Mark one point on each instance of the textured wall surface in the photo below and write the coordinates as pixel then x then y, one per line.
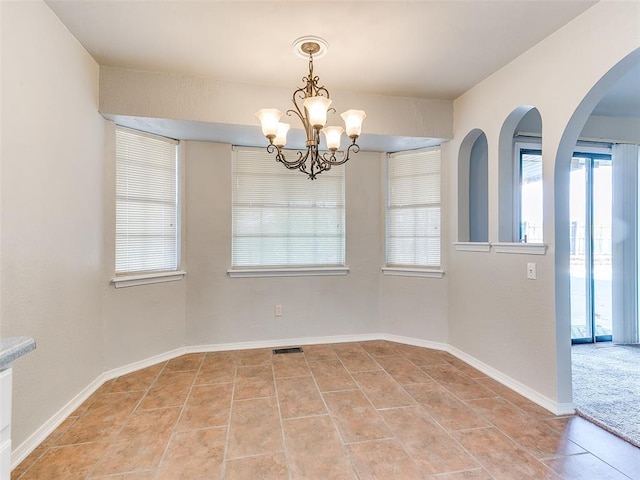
pixel 52 203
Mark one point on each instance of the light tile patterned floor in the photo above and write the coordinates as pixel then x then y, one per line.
pixel 369 410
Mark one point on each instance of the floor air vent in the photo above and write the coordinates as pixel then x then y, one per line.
pixel 279 351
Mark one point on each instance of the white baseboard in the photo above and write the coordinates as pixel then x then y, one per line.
pixel 413 341
pixel 30 444
pixel 287 342
pixel 147 362
pixel 545 402
pixel 35 439
pixel 565 409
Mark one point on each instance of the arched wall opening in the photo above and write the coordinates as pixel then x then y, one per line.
pixel 562 219
pixel 473 188
pixel 524 121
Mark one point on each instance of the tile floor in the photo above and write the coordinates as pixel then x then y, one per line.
pixel 369 410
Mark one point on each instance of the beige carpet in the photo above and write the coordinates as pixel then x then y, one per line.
pixel 606 387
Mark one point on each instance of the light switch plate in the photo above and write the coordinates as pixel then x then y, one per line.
pixel 531 271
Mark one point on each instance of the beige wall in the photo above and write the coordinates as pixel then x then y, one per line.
pixel 142 321
pixel 182 97
pixel 221 309
pixel 52 202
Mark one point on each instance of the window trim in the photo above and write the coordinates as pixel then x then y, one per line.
pixel 520 248
pixel 130 279
pixel 287 272
pixel 472 246
pixel 396 271
pixel 146 279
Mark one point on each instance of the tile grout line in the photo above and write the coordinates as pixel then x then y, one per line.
pixel 446 430
pixel 333 422
pixel 45 450
pixel 138 403
pixel 416 405
pixel 450 433
pixel 173 432
pixel 284 442
pixel 516 442
pixel 393 435
pixel 226 440
pixel 494 426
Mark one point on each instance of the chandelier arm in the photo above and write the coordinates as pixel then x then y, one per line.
pixel 300 93
pixel 290 167
pixel 297 114
pixel 292 164
pixel 332 160
pixel 323 165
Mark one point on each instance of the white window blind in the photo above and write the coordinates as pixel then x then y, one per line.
pixel 413 209
pixel 281 218
pixel 146 203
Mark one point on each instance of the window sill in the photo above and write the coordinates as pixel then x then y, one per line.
pixel 287 272
pixel 520 248
pixel 147 278
pixel 412 272
pixel 472 246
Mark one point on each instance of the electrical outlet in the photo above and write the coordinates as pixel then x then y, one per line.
pixel 531 271
pixel 277 311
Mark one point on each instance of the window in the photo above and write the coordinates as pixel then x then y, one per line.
pixel 520 183
pixel 413 209
pixel 280 218
pixel 146 203
pixel 529 196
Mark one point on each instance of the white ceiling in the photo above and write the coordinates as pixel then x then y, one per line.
pixel 419 48
pixel 428 49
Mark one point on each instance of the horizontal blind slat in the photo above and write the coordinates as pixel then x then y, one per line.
pixel 146 203
pixel 281 218
pixel 413 209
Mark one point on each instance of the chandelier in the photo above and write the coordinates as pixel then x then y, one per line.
pixel 311 105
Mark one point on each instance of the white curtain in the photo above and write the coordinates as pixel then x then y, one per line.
pixel 626 326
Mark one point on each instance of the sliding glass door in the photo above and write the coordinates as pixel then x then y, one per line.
pixel 590 247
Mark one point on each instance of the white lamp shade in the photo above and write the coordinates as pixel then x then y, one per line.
pixel 353 122
pixel 316 108
pixel 333 135
pixel 281 135
pixel 269 118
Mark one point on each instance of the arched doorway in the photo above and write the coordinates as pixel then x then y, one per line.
pixel 566 160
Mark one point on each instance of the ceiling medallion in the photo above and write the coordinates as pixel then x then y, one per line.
pixel 311 105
